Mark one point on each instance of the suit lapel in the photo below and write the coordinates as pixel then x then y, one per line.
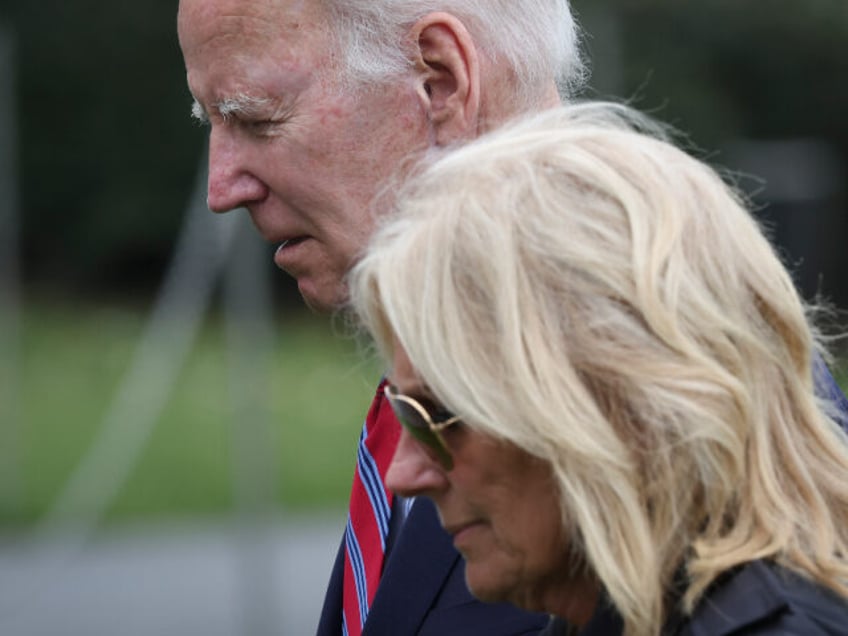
pixel 330 623
pixel 415 573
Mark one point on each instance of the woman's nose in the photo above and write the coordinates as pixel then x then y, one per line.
pixel 413 470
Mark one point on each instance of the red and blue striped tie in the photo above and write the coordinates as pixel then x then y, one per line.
pixel 370 511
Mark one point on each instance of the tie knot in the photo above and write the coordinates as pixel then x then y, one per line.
pixel 381 431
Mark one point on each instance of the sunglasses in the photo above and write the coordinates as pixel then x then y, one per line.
pixel 424 420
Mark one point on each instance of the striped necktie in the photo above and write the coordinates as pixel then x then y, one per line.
pixel 370 511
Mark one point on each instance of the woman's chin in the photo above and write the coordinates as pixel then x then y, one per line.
pixel 492 587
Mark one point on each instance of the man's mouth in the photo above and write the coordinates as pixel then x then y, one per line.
pixel 287 257
pixel 291 242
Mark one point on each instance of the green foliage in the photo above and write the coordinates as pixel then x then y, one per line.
pixel 108 152
pixel 722 71
pixel 74 357
pixel 723 68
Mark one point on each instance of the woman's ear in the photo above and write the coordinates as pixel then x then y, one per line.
pixel 448 73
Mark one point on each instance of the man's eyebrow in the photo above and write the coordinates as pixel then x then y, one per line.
pixel 238 105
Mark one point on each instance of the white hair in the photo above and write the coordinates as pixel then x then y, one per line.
pixel 537 39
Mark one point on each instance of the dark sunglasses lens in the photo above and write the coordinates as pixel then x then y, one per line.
pixel 413 422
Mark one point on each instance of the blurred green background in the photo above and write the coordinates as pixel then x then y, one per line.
pixel 74 356
pixel 103 157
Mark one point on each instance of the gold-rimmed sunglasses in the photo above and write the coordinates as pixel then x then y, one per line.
pixel 424 420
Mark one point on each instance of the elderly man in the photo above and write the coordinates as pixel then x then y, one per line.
pixel 313 107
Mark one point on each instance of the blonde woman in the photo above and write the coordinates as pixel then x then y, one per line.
pixel 604 376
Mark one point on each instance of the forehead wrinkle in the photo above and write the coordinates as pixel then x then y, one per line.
pixel 267 21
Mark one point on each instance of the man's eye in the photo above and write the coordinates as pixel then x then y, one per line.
pixel 259 126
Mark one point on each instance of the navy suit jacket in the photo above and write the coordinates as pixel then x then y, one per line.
pixel 423 592
pixel 756 598
pixel 827 388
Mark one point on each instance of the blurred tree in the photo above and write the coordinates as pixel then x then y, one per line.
pixel 729 70
pixel 725 68
pixel 108 151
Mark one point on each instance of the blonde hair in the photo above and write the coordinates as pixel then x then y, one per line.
pixel 604 301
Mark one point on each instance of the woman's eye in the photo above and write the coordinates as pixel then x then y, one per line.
pixel 440 415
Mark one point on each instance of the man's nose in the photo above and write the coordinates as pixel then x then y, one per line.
pixel 413 471
pixel 231 183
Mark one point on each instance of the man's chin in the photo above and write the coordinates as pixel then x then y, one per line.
pixel 321 300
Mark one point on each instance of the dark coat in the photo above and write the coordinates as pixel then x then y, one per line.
pixel 758 598
pixel 423 592
pixel 827 388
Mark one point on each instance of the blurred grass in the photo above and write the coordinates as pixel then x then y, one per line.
pixel 73 358
pixel 841 376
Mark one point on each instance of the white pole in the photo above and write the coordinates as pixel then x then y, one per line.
pixel 10 302
pixel 250 344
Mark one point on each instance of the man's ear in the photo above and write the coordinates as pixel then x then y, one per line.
pixel 448 73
